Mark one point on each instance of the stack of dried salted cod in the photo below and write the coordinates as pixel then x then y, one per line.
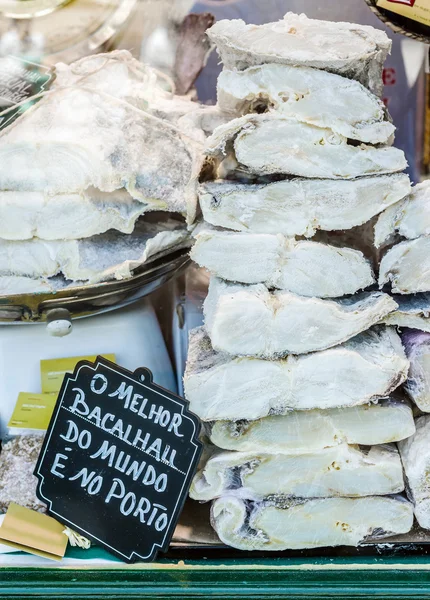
pixel 291 373
pixel 406 268
pixel 97 177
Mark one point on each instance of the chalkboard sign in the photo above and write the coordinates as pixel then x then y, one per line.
pixel 118 459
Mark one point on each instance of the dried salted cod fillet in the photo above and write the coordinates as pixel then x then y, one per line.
pixel 16 284
pixel 369 366
pixel 252 321
pixel 415 456
pixel 300 206
pixel 413 312
pixel 306 268
pixel 24 215
pixel 340 471
pixel 310 523
pixel 406 266
pixel 409 218
pixel 111 255
pixel 10 285
pixel 271 143
pixel 97 131
pixel 354 51
pixel 417 386
pixel 17 482
pixel 135 82
pixel 298 432
pixel 311 96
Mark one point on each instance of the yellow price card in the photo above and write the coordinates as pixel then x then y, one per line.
pixel 32 411
pixel 53 370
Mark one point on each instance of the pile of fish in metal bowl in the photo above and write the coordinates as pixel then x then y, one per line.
pixel 97 189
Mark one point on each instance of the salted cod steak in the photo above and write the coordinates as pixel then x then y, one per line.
pixel 413 312
pixel 417 348
pixel 415 456
pixel 252 321
pixel 13 284
pixel 111 255
pixel 302 431
pixel 309 95
pixel 353 51
pixel 347 471
pixel 219 386
pixel 313 523
pixel 268 143
pixel 98 127
pixel 24 215
pixel 409 218
pixel 82 214
pixel 406 267
pixel 298 266
pixel 300 207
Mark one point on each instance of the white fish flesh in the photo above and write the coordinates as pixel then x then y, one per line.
pixel 252 321
pixel 300 267
pixel 299 431
pixel 413 312
pixel 309 95
pixel 409 218
pixel 417 348
pixel 270 143
pixel 354 51
pixel 299 207
pixel 10 285
pixel 24 215
pixel 312 523
pixel 340 471
pixel 415 457
pixel 369 366
pixel 406 267
pixel 111 255
pixel 96 127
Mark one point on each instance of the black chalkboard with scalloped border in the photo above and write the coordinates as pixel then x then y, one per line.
pixel 118 459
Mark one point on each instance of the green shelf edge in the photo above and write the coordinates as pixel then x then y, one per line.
pixel 336 578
